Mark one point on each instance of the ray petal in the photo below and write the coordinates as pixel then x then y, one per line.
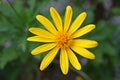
pixel 83 30
pixel 67 18
pixel 43 48
pixel 41 32
pixel 56 18
pixel 46 23
pixel 39 39
pixel 83 52
pixel 77 22
pixel 48 58
pixel 84 43
pixel 73 59
pixel 64 64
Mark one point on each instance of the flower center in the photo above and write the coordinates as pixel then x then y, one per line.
pixel 63 39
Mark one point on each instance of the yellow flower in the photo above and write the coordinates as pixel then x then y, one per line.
pixel 63 38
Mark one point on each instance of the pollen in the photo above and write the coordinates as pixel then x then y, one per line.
pixel 63 39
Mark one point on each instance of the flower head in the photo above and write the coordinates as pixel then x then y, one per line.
pixel 63 38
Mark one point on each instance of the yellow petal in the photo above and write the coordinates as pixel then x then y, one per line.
pixel 39 39
pixel 77 22
pixel 84 43
pixel 64 64
pixel 83 30
pixel 48 58
pixel 56 18
pixel 47 24
pixel 43 48
pixel 41 32
pixel 67 18
pixel 83 52
pixel 73 59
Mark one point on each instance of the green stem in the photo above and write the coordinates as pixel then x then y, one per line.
pixel 17 14
pixel 13 9
pixel 81 73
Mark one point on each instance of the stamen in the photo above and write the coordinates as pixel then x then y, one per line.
pixel 63 39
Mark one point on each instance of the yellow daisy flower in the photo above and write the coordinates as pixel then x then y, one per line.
pixel 63 38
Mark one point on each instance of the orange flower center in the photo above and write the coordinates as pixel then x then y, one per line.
pixel 63 39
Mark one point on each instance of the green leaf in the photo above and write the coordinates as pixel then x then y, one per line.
pixel 90 17
pixel 23 42
pixel 9 54
pixel 32 4
pixel 18 6
pixel 109 49
pixel 103 31
pixel 6 9
pixel 99 56
pixel 13 74
pixel 3 39
pixel 116 10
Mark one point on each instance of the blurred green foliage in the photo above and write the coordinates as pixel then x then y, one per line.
pixel 16 16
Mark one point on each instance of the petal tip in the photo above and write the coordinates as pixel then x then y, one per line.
pixel 30 29
pixel 93 57
pixel 84 13
pixel 38 17
pixel 51 8
pixel 65 73
pixel 41 68
pixel 93 25
pixel 32 53
pixel 96 43
pixel 79 67
pixel 28 39
pixel 68 7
